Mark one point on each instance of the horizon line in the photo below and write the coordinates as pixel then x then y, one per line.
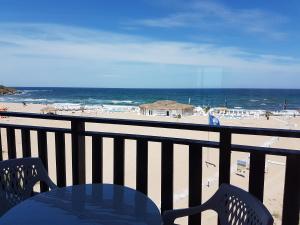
pixel 158 88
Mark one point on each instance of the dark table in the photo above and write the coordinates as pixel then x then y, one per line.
pixel 90 204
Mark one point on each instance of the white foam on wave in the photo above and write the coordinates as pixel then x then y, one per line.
pixel 66 104
pixel 19 93
pixel 35 100
pixel 28 100
pixel 7 99
pixel 121 101
pixel 29 91
pixel 95 101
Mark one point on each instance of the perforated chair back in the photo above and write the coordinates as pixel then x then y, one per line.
pixel 17 179
pixel 237 207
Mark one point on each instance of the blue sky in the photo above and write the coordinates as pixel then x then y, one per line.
pixel 143 44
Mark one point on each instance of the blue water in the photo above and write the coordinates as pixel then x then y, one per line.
pixel 269 99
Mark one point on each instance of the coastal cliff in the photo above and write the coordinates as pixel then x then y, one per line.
pixel 6 90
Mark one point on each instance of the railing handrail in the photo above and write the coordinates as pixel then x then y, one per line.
pixel 160 124
pixel 185 141
pixel 78 133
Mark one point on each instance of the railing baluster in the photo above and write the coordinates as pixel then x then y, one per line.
pixel 97 159
pixel 142 166
pixel 60 149
pixel 11 143
pixel 119 160
pixel 1 149
pixel 195 180
pixel 257 174
pixel 26 144
pixel 78 152
pixel 167 174
pixel 42 149
pixel 291 200
pixel 225 157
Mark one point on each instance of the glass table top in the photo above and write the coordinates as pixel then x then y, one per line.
pixel 90 204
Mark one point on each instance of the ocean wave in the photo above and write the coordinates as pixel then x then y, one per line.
pixel 254 100
pixel 105 107
pixel 35 100
pixel 121 101
pixel 19 93
pixel 67 104
pixel 94 101
pixel 5 98
pixel 9 99
pixel 42 90
pixel 30 92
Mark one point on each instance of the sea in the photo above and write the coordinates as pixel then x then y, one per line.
pixel 264 99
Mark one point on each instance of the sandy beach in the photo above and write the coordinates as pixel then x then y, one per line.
pixel 275 169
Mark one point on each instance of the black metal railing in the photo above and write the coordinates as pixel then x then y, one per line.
pixel 291 200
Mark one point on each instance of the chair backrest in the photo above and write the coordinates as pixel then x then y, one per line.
pixel 237 207
pixel 17 179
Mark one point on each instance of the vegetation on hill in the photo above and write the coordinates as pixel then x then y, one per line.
pixel 6 90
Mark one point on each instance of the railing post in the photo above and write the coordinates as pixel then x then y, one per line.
pixel 78 152
pixel 60 159
pixel 257 174
pixel 225 157
pixel 26 144
pixel 11 143
pixel 43 154
pixel 167 174
pixel 1 150
pixel 97 159
pixel 119 161
pixel 142 166
pixel 291 199
pixel 195 181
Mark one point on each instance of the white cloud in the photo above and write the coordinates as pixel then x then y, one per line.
pixel 216 17
pixel 55 49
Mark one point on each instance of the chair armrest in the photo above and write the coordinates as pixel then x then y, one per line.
pixel 49 183
pixel 171 215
